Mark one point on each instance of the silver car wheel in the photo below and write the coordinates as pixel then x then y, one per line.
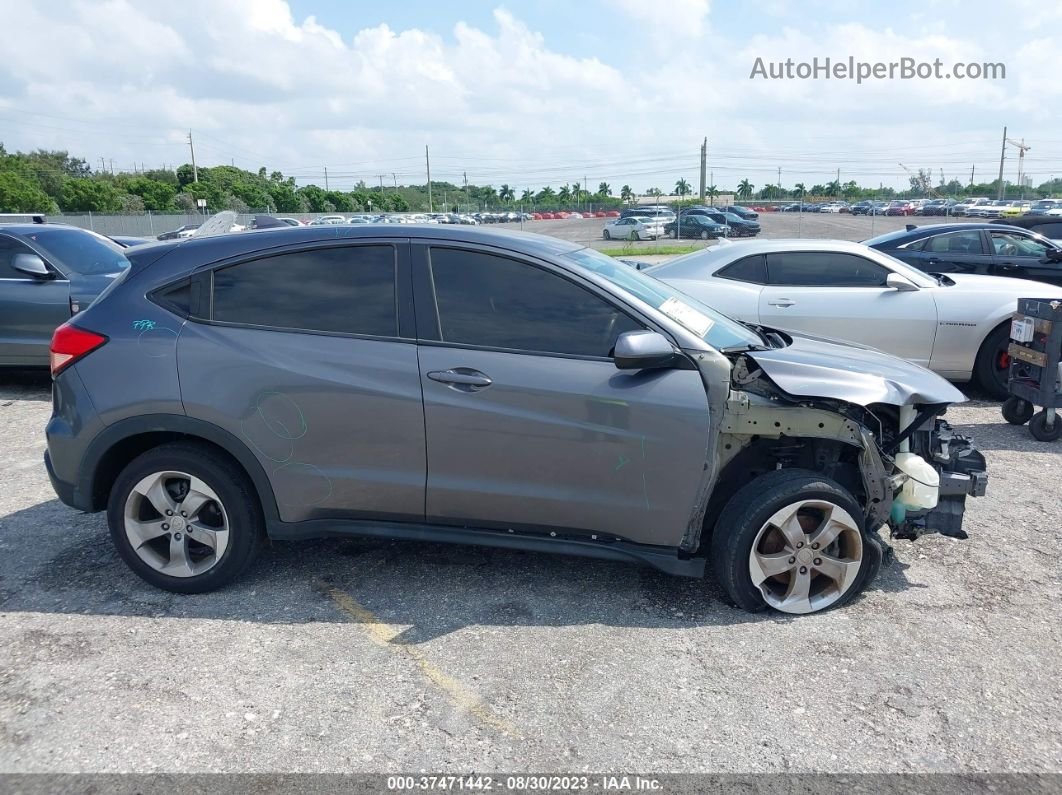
pixel 176 524
pixel 806 556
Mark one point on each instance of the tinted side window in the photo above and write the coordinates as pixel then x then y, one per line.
pixel 955 243
pixel 1012 244
pixel 8 249
pixel 494 302
pixel 349 290
pixel 747 269
pixel 824 269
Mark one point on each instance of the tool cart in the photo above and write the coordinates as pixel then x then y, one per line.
pixel 1035 375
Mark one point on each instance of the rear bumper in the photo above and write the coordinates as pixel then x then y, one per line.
pixel 63 490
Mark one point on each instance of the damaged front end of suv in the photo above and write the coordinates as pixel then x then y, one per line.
pixel 865 420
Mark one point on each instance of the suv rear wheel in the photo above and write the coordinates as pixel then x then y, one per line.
pixel 184 518
pixel 792 540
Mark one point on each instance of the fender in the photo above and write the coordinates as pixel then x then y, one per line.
pixel 174 423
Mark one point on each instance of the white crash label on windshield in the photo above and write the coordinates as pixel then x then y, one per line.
pixel 687 316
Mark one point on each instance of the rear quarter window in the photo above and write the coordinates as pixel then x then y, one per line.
pixel 751 269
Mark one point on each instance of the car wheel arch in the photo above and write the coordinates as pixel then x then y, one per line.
pixel 124 440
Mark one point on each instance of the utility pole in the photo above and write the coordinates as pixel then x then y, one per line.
pixel 326 177
pixel 191 146
pixel 838 182
pixel 711 181
pixel 112 166
pixel 103 165
pixel 779 181
pixel 972 168
pixel 394 177
pixel 1002 155
pixel 704 165
pixel 427 163
pixel 465 175
pixel 381 176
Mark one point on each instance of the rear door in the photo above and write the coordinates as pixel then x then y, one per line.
pixel 309 357
pixel 844 296
pixel 529 423
pixel 963 251
pixel 31 308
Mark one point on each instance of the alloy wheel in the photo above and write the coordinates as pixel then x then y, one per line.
pixel 176 524
pixel 806 556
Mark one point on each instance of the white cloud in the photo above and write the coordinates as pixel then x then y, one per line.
pixel 126 81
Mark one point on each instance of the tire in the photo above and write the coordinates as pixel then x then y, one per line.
pixel 674 235
pixel 747 520
pixel 1039 430
pixel 1017 411
pixel 223 513
pixel 989 371
pixel 704 234
pixel 607 235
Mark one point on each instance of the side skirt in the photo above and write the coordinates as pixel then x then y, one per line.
pixel 665 559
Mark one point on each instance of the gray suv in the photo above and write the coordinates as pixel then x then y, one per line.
pixel 504 389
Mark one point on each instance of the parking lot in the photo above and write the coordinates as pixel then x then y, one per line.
pixel 390 656
pixel 775 225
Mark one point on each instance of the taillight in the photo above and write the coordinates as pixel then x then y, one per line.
pixel 70 343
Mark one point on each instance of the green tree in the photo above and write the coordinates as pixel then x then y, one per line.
pixel 682 188
pixel 627 194
pixel 833 188
pixel 604 189
pixel 744 189
pixel 564 195
pixel 527 196
pixel 156 196
pixel 850 189
pixel 90 195
pixel 799 190
pixel 21 194
pixel 506 194
pixel 711 192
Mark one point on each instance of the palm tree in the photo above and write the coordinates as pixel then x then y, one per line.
pixel 711 192
pixel 604 189
pixel 833 188
pixel 506 194
pixel 527 196
pixel 744 189
pixel 799 190
pixel 626 194
pixel 682 187
pixel 564 195
pixel 655 192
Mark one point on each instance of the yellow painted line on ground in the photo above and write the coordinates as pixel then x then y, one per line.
pixel 384 634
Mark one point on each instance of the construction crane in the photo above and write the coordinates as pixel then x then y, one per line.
pixel 1022 148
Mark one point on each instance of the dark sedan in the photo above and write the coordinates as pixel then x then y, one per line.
pixel 694 226
pixel 736 226
pixel 744 213
pixel 986 248
pixel 48 273
pixel 1050 226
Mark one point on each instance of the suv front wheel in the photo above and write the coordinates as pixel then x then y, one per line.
pixel 184 518
pixel 792 540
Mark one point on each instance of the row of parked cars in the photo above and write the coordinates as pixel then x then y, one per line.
pixel 705 223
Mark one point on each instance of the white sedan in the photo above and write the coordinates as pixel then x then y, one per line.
pixel 957 325
pixel 633 228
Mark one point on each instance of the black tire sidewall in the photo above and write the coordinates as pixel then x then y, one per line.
pixel 246 526
pixel 985 365
pixel 747 512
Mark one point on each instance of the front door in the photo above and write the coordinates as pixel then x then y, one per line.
pixel 843 296
pixel 31 309
pixel 530 425
pixel 1019 254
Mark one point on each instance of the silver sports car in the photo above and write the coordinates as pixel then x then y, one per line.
pixel 956 324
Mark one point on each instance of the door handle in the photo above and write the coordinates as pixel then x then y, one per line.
pixel 782 302
pixel 464 379
pixel 932 261
pixel 1009 266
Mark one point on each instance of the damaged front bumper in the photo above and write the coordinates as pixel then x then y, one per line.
pixel 962 474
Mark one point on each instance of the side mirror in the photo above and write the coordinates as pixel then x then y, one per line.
pixel 1053 255
pixel 900 283
pixel 643 350
pixel 31 264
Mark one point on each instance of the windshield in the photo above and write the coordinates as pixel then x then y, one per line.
pixel 81 251
pixel 713 327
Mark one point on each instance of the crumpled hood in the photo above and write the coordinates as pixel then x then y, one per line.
pixel 818 367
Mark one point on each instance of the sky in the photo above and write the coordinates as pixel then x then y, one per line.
pixel 531 94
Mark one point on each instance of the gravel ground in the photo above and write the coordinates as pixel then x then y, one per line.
pixel 377 656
